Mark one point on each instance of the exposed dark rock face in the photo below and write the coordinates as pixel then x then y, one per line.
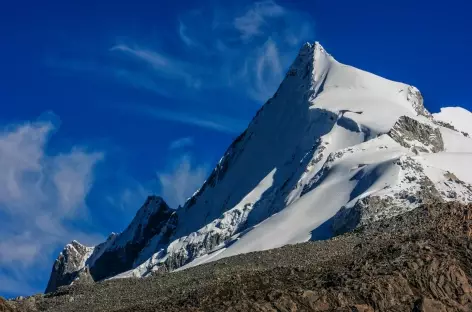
pixel 417 102
pixel 121 256
pixel 371 208
pixel 119 252
pixel 451 127
pixel 67 265
pixel 84 277
pixel 409 132
pixel 417 261
pixel 445 125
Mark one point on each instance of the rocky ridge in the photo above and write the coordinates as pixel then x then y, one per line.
pixel 68 265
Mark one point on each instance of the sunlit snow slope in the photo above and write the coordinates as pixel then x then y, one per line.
pixel 334 148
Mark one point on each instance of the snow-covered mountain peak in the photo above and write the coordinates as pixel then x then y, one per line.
pixel 334 148
pixel 309 47
pixel 311 62
pixel 315 71
pixel 305 48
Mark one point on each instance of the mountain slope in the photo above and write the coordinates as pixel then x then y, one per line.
pixel 334 148
pixel 418 261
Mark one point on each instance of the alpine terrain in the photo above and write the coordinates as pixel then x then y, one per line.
pixel 335 149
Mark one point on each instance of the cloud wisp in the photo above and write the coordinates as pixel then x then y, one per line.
pixel 181 181
pixel 204 120
pixel 250 23
pixel 181 143
pixel 129 194
pixel 40 197
pixel 239 51
pixel 183 35
pixel 219 56
pixel 245 50
pixel 164 66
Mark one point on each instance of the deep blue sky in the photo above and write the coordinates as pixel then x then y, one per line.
pixel 104 102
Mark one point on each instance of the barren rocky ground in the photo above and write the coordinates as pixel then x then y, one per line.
pixel 419 261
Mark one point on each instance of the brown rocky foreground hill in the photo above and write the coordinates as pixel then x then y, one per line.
pixel 419 261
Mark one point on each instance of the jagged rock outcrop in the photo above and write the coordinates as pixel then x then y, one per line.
pixel 411 133
pixel 373 207
pixel 451 127
pixel 84 277
pixel 417 102
pixel 119 252
pixel 68 265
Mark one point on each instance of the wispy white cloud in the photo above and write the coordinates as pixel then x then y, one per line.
pixel 210 121
pixel 254 49
pixel 129 196
pixel 238 54
pixel 39 195
pixel 251 22
pixel 20 248
pixel 13 285
pixel 268 70
pixel 140 80
pixel 73 177
pixel 181 143
pixel 181 180
pixel 163 65
pixel 157 60
pixel 244 50
pixel 183 35
pixel 294 35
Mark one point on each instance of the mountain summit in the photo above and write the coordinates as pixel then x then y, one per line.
pixel 334 148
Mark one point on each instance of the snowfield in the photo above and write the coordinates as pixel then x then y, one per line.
pixel 334 148
pixel 459 117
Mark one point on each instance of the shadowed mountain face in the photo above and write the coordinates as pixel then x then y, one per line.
pixel 335 148
pixel 418 261
pixel 160 220
pixel 119 252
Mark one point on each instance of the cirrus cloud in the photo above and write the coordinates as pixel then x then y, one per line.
pixel 247 50
pixel 244 51
pixel 181 180
pixel 236 54
pixel 181 143
pixel 251 22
